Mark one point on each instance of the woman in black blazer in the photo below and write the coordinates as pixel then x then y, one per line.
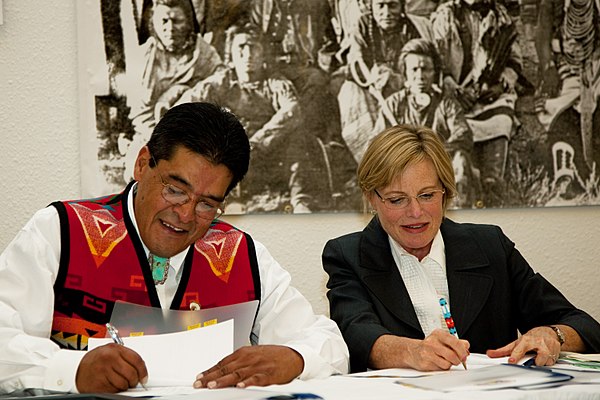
pixel 385 283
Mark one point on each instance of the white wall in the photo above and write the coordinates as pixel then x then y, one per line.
pixel 40 163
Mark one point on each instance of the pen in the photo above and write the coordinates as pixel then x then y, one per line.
pixel 114 334
pixel 449 322
pixel 530 362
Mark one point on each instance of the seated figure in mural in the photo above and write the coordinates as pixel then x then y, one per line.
pixel 421 102
pixel 285 168
pixel 173 59
pixel 569 88
pixel 300 44
pixel 482 59
pixel 372 72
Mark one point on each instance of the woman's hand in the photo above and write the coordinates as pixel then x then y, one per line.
pixel 542 340
pixel 438 351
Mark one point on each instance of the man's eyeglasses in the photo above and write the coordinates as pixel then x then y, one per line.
pixel 396 203
pixel 178 197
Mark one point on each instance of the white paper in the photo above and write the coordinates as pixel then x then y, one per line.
pixel 474 361
pixel 187 393
pixel 580 357
pixel 486 378
pixel 174 359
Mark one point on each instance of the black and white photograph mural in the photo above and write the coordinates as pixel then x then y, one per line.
pixel 511 86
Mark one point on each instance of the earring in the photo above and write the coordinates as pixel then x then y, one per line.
pixel 373 212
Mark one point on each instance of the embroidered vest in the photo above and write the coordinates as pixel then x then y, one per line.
pixel 103 260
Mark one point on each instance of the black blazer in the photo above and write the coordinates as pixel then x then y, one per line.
pixel 493 291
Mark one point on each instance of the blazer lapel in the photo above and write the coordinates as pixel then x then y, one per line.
pixel 380 274
pixel 468 285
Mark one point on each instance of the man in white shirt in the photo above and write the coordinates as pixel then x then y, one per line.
pixel 159 243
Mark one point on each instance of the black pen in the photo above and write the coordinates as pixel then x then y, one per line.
pixel 114 334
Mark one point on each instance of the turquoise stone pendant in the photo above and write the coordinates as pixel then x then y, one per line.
pixel 160 268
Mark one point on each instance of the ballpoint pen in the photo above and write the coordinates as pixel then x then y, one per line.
pixel 114 334
pixel 450 322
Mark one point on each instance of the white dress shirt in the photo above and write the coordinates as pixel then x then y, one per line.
pixel 425 282
pixel 28 269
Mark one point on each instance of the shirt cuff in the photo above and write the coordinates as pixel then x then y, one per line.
pixel 62 370
pixel 314 365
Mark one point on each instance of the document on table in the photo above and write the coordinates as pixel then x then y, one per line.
pixel 492 377
pixel 474 361
pixel 578 361
pixel 174 359
pixel 136 320
pixel 232 393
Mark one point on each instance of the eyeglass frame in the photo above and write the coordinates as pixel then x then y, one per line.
pixel 419 198
pixel 218 210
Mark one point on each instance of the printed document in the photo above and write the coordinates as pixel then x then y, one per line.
pixel 500 376
pixel 174 359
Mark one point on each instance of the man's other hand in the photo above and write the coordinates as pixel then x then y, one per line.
pixel 109 369
pixel 253 366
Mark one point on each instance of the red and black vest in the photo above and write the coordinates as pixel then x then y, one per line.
pixel 103 260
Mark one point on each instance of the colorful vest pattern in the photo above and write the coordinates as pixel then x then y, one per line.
pixel 103 260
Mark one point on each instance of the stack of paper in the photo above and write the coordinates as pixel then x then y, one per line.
pixel 579 361
pixel 502 376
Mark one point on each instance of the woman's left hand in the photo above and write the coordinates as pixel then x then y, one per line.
pixel 541 340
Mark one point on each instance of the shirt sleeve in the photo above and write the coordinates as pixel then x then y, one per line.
pixel 29 266
pixel 286 317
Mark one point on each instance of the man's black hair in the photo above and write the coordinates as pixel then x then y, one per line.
pixel 206 129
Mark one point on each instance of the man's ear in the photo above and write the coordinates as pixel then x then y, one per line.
pixel 141 163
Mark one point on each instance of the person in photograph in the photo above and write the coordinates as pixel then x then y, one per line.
pixel 385 282
pixel 173 59
pixel 568 92
pixel 422 102
pixel 285 169
pixel 477 41
pixel 300 43
pixel 372 67
pixel 158 243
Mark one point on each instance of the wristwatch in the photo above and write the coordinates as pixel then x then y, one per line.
pixel 559 334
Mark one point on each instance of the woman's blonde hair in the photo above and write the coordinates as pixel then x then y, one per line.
pixel 396 148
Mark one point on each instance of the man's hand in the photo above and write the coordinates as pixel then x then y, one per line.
pixel 508 79
pixel 168 99
pixel 542 340
pixel 253 366
pixel 109 369
pixel 465 96
pixel 380 75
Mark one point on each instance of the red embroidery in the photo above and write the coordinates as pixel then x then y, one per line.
pixel 220 248
pixel 102 231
